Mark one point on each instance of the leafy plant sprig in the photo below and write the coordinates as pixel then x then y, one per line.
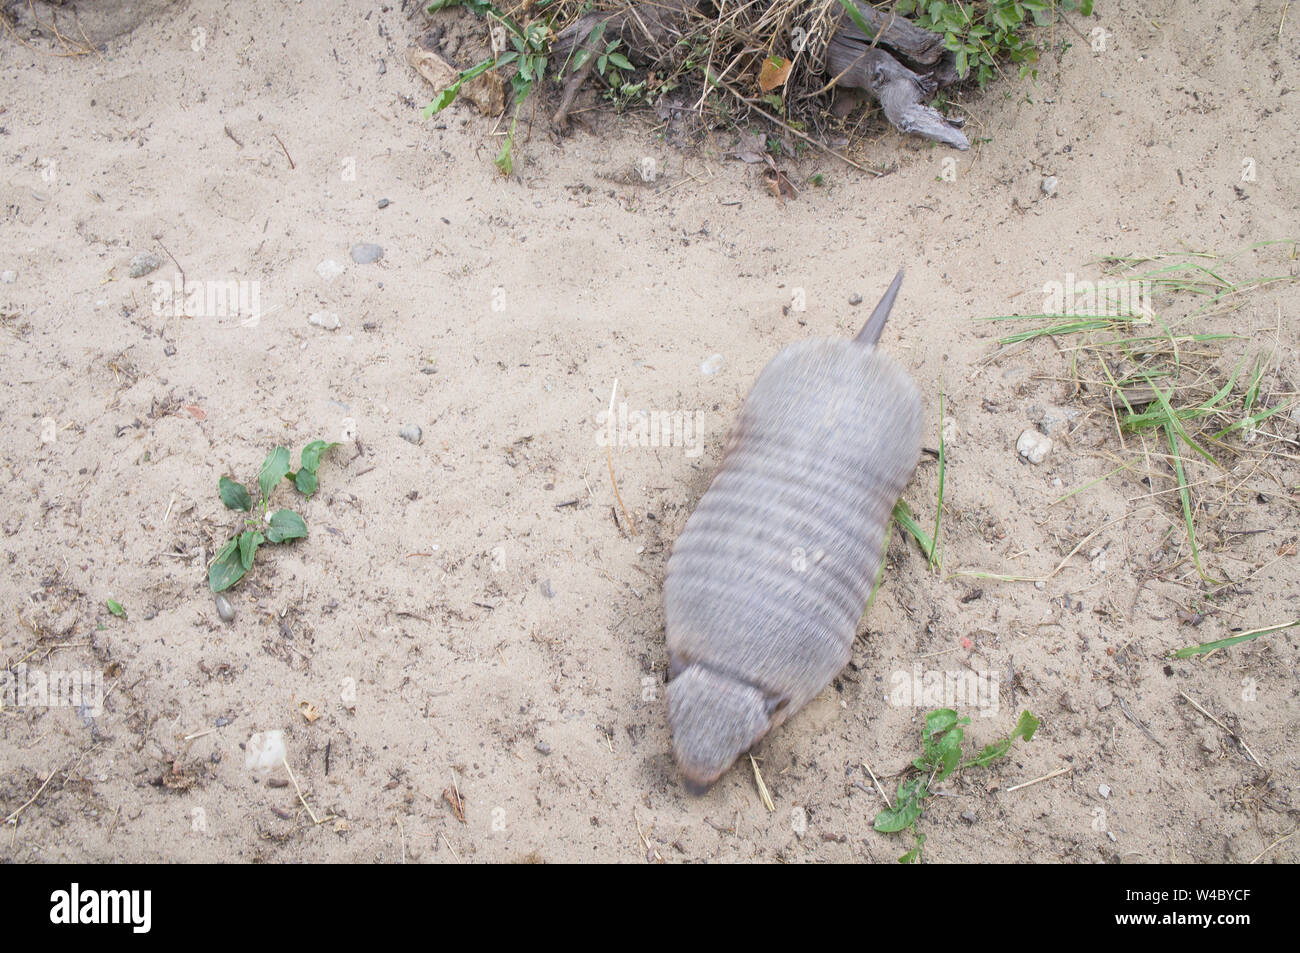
pixel 236 557
pixel 941 744
pixel 981 33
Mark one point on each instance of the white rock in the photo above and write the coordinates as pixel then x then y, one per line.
pixel 712 365
pixel 1049 185
pixel 8 277
pixel 265 751
pixel 1103 790
pixel 326 319
pixel 950 430
pixel 329 269
pixel 1034 446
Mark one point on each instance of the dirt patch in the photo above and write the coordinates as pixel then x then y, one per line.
pixel 468 613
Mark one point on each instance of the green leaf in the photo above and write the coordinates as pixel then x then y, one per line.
pixel 1025 729
pixel 621 61
pixel 234 495
pixel 249 540
pixel 305 481
pixel 116 608
pixel 226 569
pixel 312 453
pixel 906 809
pixel 285 525
pixel 963 66
pixel 448 95
pixel 274 468
pixel 505 160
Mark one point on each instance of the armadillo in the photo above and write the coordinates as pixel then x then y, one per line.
pixel 770 576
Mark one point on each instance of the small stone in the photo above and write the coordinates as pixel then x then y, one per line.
pixel 8 277
pixel 1103 790
pixel 1048 185
pixel 224 608
pixel 712 365
pixel 1034 446
pixel 1104 698
pixel 223 721
pixel 144 263
pixel 265 752
pixel 411 433
pixel 949 431
pixel 542 747
pixel 855 299
pixel 969 816
pixel 547 589
pixel 169 350
pixel 325 319
pixel 329 269
pixel 384 203
pixel 367 253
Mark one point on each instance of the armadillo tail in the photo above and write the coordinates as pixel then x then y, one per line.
pixel 870 333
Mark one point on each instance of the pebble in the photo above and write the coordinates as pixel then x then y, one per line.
pixel 411 433
pixel 547 589
pixel 265 751
pixel 326 319
pixel 1104 698
pixel 1103 790
pixel 855 299
pixel 367 253
pixel 542 747
pixel 144 263
pixel 329 269
pixel 1049 185
pixel 1034 446
pixel 8 277
pixel 224 608
pixel 384 203
pixel 712 365
pixel 970 817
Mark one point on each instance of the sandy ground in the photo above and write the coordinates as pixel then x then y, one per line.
pixel 467 613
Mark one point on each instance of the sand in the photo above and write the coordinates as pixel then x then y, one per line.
pixel 470 628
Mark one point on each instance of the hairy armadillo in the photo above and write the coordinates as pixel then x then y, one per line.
pixel 768 580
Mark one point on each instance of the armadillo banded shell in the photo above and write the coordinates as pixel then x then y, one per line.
pixel 774 568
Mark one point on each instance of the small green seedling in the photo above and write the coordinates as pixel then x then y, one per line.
pixel 236 557
pixel 115 607
pixel 941 741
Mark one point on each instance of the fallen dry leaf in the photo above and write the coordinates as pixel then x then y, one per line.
pixel 486 91
pixel 308 711
pixel 452 797
pixel 774 72
pixel 779 184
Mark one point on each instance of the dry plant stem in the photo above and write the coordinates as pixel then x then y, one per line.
pixel 753 104
pixel 1226 730
pixel 1045 777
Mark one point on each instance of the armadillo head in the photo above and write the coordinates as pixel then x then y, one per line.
pixel 714 719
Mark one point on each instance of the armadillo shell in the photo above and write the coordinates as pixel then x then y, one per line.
pixel 772 573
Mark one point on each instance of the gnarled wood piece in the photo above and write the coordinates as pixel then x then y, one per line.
pixel 902 93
